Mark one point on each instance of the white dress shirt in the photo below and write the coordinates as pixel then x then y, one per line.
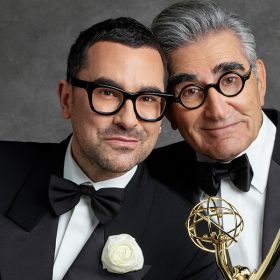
pixel 76 225
pixel 248 250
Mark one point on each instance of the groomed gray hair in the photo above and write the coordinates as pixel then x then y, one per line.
pixel 186 22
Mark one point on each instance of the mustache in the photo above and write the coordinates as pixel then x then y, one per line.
pixel 121 131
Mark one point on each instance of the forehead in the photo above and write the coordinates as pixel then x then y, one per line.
pixel 125 65
pixel 204 55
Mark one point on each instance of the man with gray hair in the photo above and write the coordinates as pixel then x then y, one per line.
pixel 231 146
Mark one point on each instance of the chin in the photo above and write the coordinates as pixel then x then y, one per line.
pixel 224 155
pixel 119 169
pixel 225 150
pixel 119 166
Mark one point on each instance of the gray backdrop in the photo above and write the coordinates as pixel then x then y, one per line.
pixel 35 39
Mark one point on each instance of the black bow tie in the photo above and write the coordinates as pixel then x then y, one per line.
pixel 239 170
pixel 64 195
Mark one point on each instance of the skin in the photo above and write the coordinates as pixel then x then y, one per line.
pixel 108 146
pixel 222 127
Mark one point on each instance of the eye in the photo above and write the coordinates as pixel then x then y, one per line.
pixel 107 93
pixel 191 92
pixel 230 80
pixel 149 98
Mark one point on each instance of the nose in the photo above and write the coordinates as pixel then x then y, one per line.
pixel 126 116
pixel 216 105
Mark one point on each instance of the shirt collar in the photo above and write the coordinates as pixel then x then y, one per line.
pixel 75 174
pixel 260 153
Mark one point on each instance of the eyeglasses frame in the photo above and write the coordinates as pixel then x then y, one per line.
pixel 216 86
pixel 90 86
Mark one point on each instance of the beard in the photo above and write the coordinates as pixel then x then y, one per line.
pixel 107 159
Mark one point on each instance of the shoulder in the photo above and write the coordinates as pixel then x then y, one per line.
pixel 17 160
pixel 21 155
pixel 170 157
pixel 10 146
pixel 167 231
pixel 171 208
pixel 16 150
pixel 171 149
pixel 173 165
pixel 167 196
pixel 273 115
pixel 159 191
pixel 17 154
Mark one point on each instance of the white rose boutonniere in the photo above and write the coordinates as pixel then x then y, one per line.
pixel 122 254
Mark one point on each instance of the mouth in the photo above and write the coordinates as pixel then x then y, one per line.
pixel 122 142
pixel 221 130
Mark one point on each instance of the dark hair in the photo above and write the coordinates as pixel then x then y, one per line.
pixel 122 30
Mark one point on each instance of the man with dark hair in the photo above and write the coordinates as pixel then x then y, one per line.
pixel 87 208
pixel 231 146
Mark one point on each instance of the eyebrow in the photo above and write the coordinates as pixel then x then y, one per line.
pixel 178 78
pixel 220 68
pixel 110 82
pixel 107 81
pixel 228 66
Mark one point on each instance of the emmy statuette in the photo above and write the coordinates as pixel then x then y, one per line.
pixel 210 212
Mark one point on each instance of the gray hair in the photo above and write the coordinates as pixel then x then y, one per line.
pixel 186 22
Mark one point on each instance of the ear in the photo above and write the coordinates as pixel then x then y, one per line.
pixel 261 79
pixel 64 92
pixel 170 116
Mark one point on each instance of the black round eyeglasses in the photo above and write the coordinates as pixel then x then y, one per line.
pixel 230 84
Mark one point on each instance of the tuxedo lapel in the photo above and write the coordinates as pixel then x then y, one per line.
pixel 28 228
pixel 88 266
pixel 271 223
pixel 272 207
pixel 272 214
pixel 31 203
pixel 28 236
pixel 134 214
pixel 27 255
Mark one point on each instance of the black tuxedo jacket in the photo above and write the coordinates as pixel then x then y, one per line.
pixel 151 213
pixel 175 166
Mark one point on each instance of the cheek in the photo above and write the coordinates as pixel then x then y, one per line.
pixel 250 105
pixel 151 132
pixel 85 122
pixel 186 120
pixel 189 123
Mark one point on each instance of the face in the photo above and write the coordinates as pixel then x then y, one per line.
pixel 223 126
pixel 108 146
